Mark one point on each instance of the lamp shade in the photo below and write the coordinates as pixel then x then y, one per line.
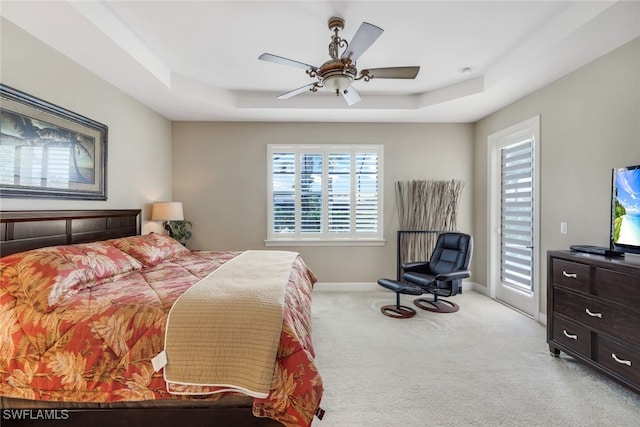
pixel 167 211
pixel 337 82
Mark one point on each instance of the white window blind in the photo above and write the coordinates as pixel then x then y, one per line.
pixel 517 215
pixel 7 164
pixel 57 165
pixel 30 165
pixel 325 193
pixel 36 165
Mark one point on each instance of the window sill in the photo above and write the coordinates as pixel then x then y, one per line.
pixel 310 242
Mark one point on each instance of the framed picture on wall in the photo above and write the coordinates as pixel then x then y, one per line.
pixel 49 152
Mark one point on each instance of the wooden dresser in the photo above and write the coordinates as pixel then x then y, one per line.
pixel 593 312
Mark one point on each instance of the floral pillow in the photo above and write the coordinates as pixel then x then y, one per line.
pixel 50 275
pixel 8 278
pixel 150 249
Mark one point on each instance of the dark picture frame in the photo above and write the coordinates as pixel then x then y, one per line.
pixel 47 151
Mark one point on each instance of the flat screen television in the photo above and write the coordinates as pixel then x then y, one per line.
pixel 625 210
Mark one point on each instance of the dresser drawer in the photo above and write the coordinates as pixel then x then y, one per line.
pixel 572 336
pixel 602 317
pixel 620 359
pixel 619 287
pixel 572 275
pixel 579 308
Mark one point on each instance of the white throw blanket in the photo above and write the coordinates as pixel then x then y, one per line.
pixel 224 331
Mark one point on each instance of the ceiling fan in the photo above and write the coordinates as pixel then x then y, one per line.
pixel 340 71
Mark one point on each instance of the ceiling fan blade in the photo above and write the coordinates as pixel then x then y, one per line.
pixel 285 61
pixel 297 91
pixel 392 72
pixel 351 96
pixel 362 40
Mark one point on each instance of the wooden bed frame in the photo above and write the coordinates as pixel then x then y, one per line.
pixel 25 230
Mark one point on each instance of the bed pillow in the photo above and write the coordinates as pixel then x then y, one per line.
pixel 150 249
pixel 8 280
pixel 50 275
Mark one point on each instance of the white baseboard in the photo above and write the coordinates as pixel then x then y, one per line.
pixel 480 289
pixel 346 287
pixel 365 286
pixel 373 286
pixel 542 318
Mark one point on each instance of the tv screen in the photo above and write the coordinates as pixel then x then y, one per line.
pixel 625 210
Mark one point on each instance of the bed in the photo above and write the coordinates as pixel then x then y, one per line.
pixel 84 306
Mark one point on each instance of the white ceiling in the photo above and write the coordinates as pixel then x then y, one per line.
pixel 198 60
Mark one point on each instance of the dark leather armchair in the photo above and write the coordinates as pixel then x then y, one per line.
pixel 440 276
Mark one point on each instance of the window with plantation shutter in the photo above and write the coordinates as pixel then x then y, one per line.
pixel 37 166
pixel 57 166
pixel 324 193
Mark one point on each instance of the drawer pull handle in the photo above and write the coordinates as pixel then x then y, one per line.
pixel 598 315
pixel 568 335
pixel 570 275
pixel 623 362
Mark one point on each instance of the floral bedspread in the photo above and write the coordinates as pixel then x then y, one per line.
pixel 82 322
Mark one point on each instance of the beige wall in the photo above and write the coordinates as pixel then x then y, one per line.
pixel 590 123
pixel 220 172
pixel 139 144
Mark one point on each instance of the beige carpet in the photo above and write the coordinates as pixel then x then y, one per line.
pixel 485 365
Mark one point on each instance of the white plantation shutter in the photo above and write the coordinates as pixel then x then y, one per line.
pixel 325 193
pixel 7 164
pixel 339 193
pixel 57 166
pixel 30 165
pixel 283 175
pixel 517 215
pixel 36 165
pixel 310 193
pixel 367 195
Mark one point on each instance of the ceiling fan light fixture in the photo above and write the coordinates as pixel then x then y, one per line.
pixel 338 73
pixel 337 83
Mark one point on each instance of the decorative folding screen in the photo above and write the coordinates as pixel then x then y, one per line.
pixel 425 206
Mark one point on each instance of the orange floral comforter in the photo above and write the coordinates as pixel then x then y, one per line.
pixel 82 322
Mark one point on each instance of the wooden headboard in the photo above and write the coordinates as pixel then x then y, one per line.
pixel 25 230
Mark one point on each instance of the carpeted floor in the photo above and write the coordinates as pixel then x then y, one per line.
pixel 485 365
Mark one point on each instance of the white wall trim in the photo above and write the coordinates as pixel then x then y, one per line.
pixel 481 289
pixel 346 287
pixel 370 286
pixel 542 318
pixel 529 128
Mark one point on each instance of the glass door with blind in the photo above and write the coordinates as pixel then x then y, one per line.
pixel 513 261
